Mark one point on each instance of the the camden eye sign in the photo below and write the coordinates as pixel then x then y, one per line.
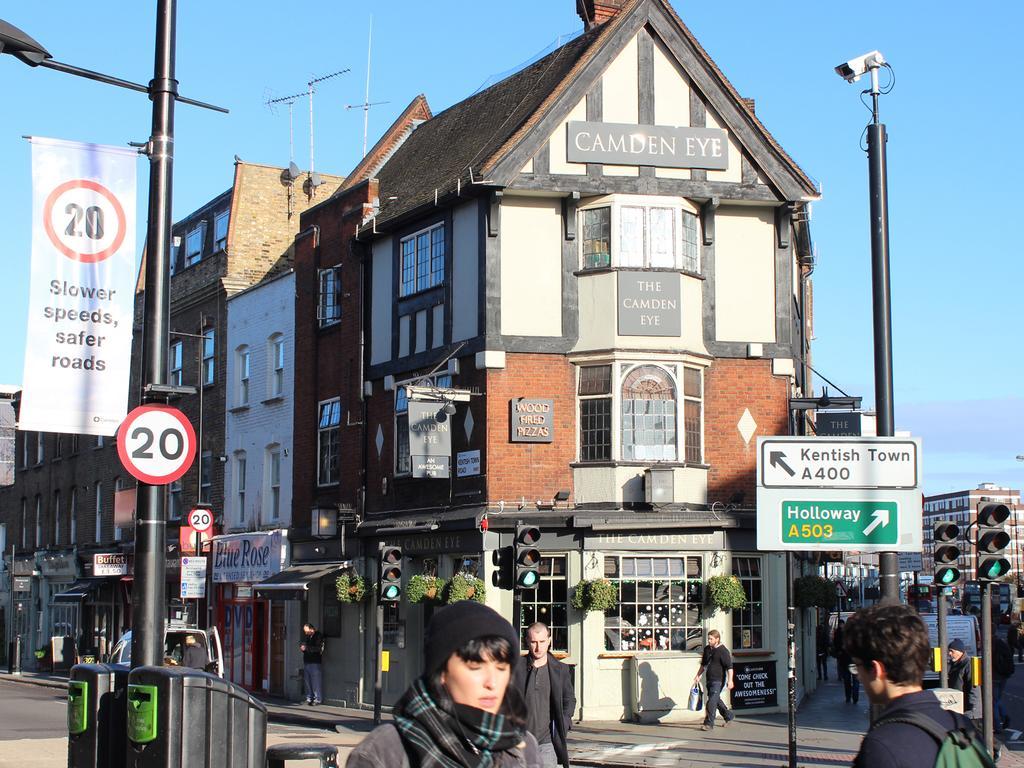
pixel 649 304
pixel 664 146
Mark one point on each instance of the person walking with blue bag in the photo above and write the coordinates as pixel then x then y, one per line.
pixel 717 662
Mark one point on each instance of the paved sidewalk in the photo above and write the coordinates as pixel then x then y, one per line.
pixel 829 733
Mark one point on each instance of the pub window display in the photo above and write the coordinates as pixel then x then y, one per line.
pixel 659 605
pixel 659 234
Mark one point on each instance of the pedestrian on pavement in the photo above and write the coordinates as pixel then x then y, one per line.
pixel 844 665
pixel 717 661
pixel 837 648
pixel 960 673
pixel 1002 669
pixel 312 648
pixel 889 645
pixel 193 655
pixel 1015 636
pixel 546 684
pixel 821 650
pixel 462 711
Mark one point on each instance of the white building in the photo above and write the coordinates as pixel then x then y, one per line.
pixel 257 479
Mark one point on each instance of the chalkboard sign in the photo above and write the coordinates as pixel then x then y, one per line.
pixel 754 685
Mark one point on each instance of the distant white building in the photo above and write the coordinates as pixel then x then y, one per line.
pixel 261 332
pixel 258 480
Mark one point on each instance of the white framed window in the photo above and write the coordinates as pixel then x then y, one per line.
pixel 209 352
pixel 220 231
pixel 422 255
pixel 659 607
pixel 273 475
pixel 194 244
pixel 205 477
pixel 174 363
pixel 40 447
pixel 118 531
pixel 276 358
pixel 640 233
pixel 240 480
pixel 403 460
pixel 748 622
pixel 174 500
pixel 39 521
pixel 26 450
pixel 73 514
pixel 328 439
pixel 630 412
pixel 99 513
pixel 242 360
pixel 100 441
pixel 24 524
pixel 56 517
pixel 329 303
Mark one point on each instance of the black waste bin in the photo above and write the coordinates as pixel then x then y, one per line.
pixel 183 718
pixel 96 716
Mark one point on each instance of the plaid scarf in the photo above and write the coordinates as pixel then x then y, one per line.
pixel 434 738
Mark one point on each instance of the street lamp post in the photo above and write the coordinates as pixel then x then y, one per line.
pixel 851 71
pixel 148 599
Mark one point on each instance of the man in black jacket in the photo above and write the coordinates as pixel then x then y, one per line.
pixel 312 647
pixel 960 672
pixel 889 645
pixel 547 686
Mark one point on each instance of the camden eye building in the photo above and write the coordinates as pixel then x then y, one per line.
pixel 574 300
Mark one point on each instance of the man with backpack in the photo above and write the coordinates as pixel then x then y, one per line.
pixel 889 646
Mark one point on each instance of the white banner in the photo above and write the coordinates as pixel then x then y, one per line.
pixel 82 291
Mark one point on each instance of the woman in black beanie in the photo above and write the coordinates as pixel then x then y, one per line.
pixel 462 712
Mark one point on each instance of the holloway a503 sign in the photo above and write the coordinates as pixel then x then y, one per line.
pixel 664 146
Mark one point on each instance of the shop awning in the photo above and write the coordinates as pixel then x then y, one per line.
pixel 78 591
pixel 293 582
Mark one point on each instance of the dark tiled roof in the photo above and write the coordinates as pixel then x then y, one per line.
pixel 466 135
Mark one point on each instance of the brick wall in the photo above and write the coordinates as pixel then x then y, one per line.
pixel 533 470
pixel 731 386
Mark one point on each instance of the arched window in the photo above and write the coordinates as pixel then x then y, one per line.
pixel 648 415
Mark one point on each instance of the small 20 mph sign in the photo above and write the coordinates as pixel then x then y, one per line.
pixel 839 494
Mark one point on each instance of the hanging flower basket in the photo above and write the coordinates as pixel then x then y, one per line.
pixel 726 593
pixel 814 592
pixel 465 587
pixel 351 588
pixel 425 589
pixel 595 595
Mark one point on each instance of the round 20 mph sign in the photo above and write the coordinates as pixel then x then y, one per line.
pixel 157 444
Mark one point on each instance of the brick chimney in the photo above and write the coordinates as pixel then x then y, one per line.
pixel 597 12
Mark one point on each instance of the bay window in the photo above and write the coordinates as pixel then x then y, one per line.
pixel 643 233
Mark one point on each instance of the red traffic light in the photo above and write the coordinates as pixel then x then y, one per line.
pixel 527 535
pixel 993 513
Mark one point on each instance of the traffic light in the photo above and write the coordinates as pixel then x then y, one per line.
pixel 501 577
pixel 390 584
pixel 947 552
pixel 527 557
pixel 992 540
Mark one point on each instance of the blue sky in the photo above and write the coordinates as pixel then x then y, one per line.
pixel 952 119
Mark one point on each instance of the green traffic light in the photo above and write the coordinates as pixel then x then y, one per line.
pixel 391 592
pixel 947 576
pixel 528 579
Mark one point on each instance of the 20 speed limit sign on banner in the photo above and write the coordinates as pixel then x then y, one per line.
pixel 82 290
pixel 157 444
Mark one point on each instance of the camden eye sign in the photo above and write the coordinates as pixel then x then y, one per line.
pixel 664 146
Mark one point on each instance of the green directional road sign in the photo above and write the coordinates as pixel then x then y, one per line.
pixel 839 522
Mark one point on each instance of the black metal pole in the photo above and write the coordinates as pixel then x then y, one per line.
pixel 148 593
pixel 987 700
pixel 791 658
pixel 888 562
pixel 378 648
pixel 941 619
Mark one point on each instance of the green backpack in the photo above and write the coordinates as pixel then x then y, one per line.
pixel 958 748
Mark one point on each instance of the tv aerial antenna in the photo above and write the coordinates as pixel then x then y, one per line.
pixel 365 106
pixel 314 178
pixel 293 169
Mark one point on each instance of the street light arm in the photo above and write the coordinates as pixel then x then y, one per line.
pixel 111 80
pixel 20 45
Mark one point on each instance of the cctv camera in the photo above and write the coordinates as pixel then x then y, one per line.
pixel 852 70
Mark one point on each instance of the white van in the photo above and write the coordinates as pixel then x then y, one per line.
pixel 174 647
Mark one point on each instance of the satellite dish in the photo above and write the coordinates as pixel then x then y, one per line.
pixel 315 180
pixel 293 171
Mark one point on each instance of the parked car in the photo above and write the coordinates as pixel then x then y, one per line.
pixel 174 647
